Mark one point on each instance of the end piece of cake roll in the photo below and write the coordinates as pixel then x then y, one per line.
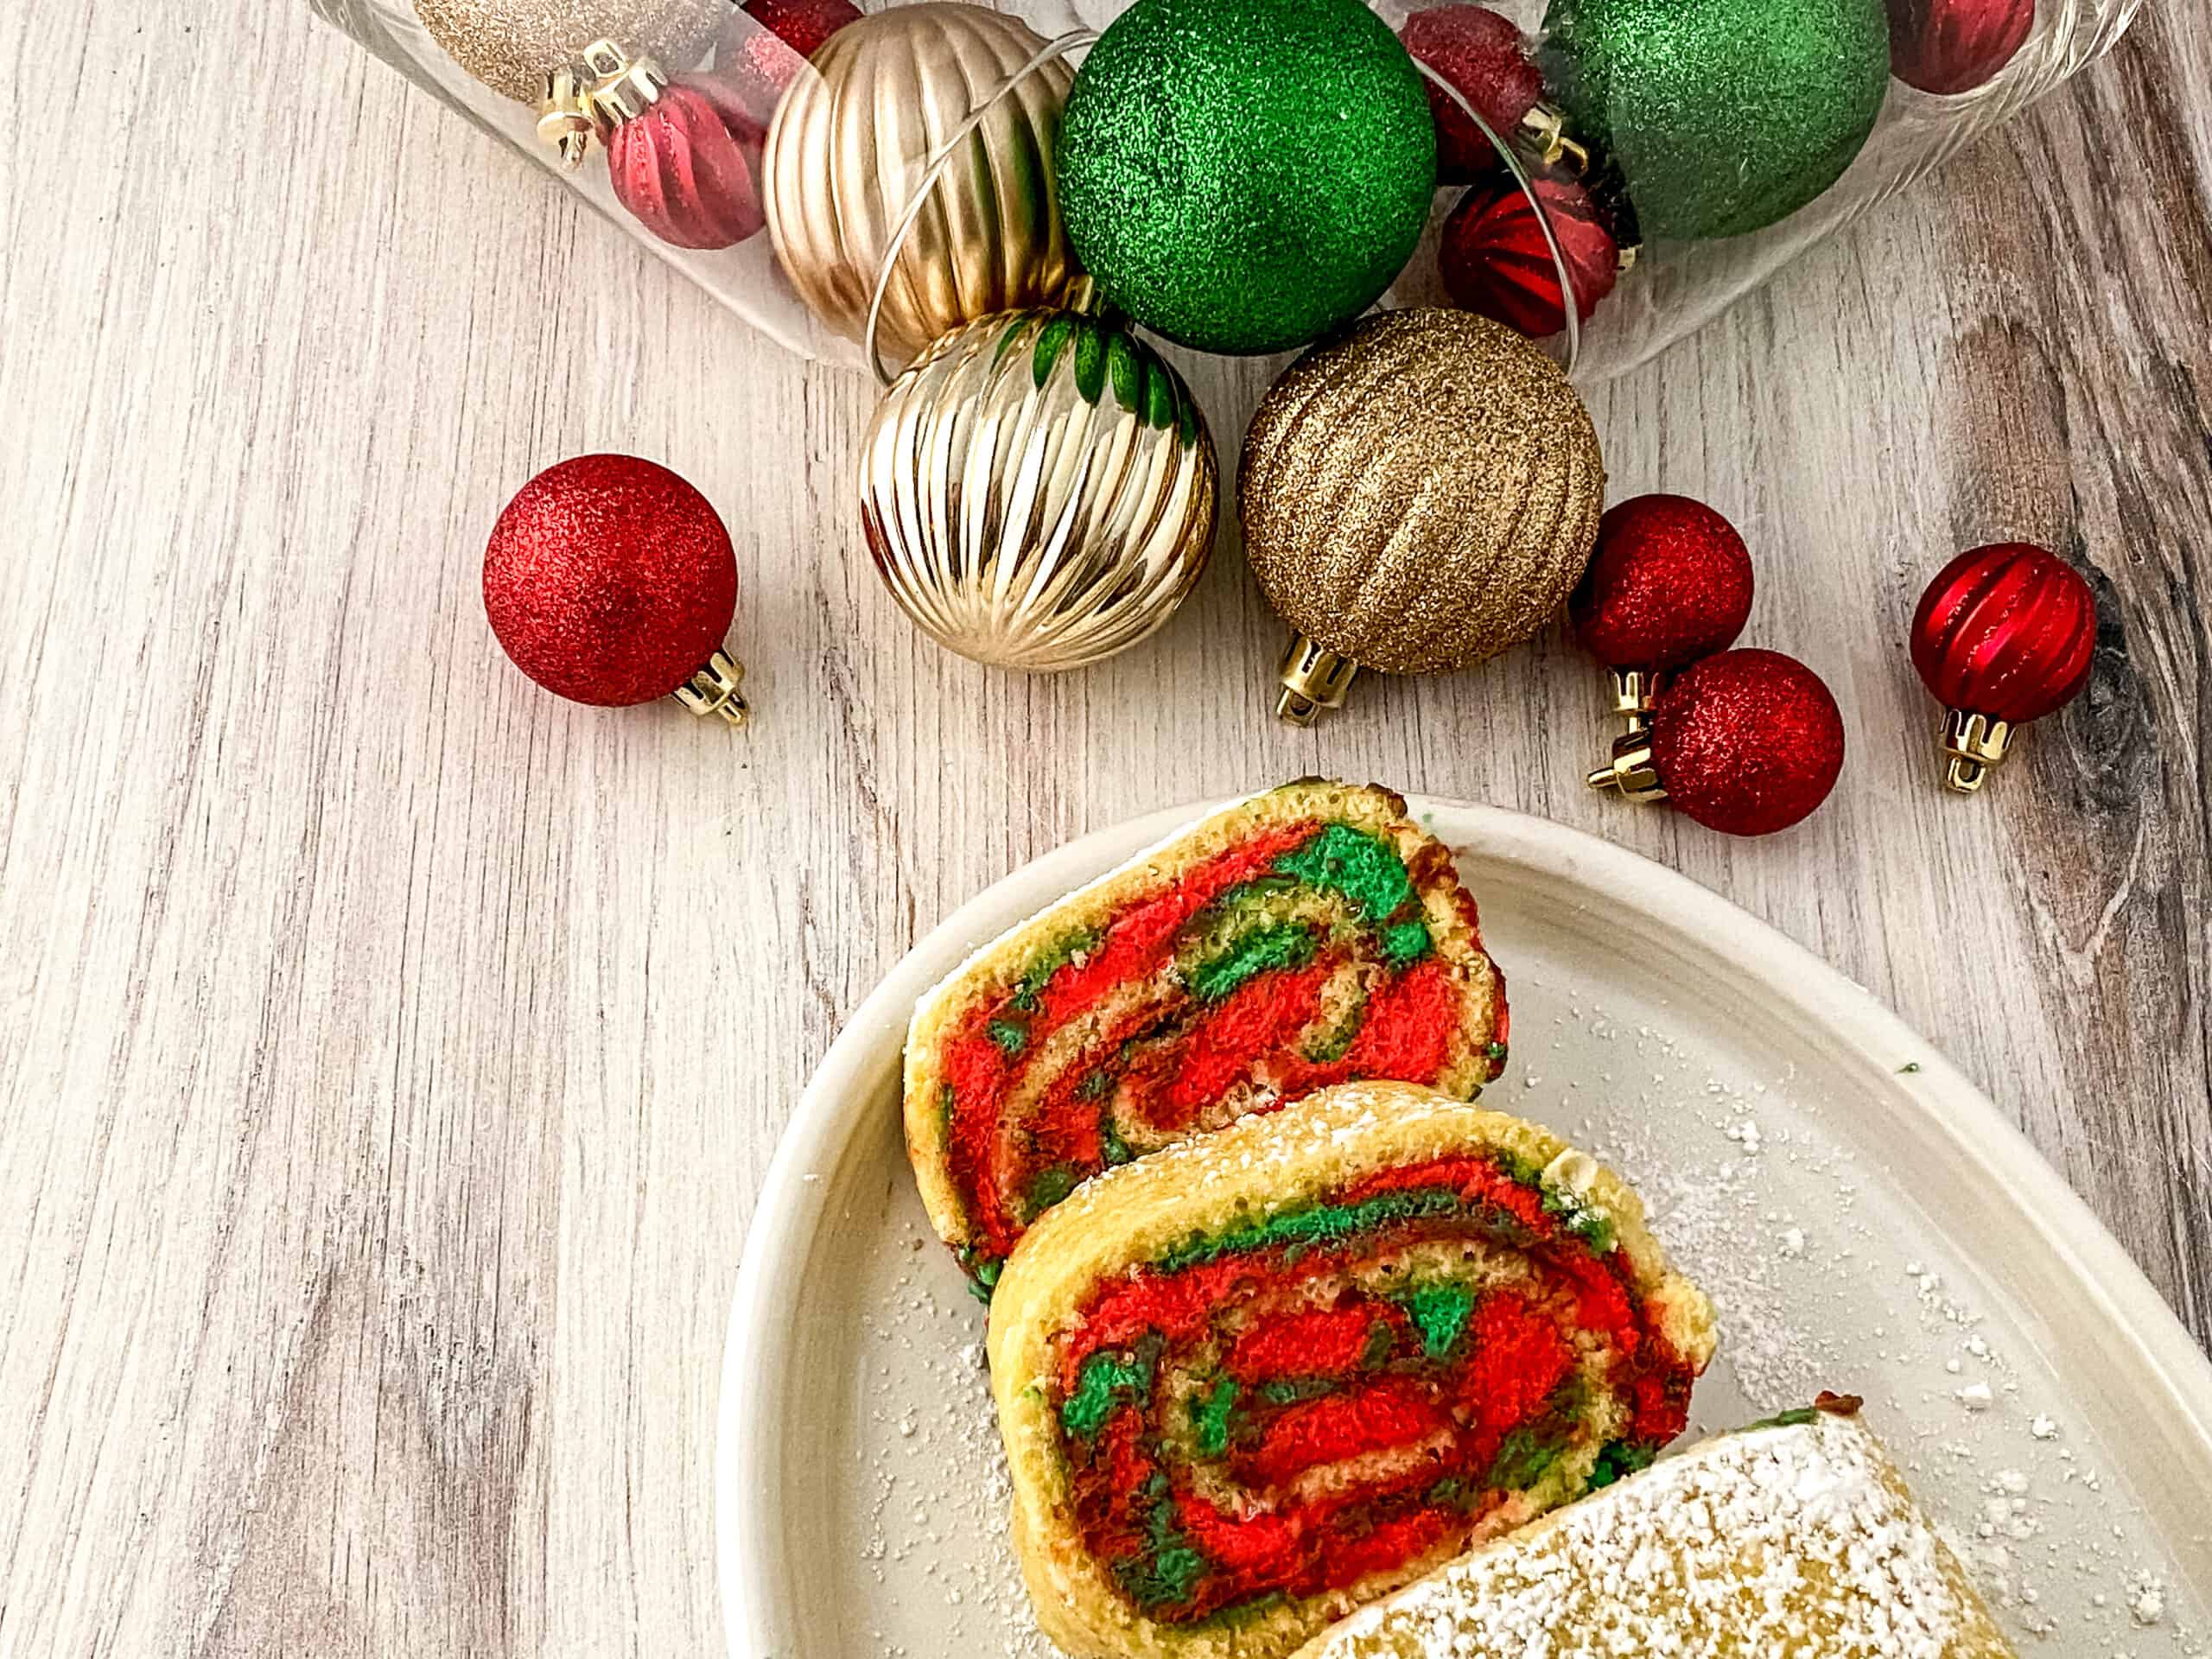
pixel 1793 1538
pixel 1261 1378
pixel 1310 935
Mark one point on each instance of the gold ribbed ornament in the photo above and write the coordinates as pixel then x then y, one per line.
pixel 850 145
pixel 514 46
pixel 1038 490
pixel 1416 495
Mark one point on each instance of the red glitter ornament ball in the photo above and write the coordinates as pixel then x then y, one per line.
pixel 1482 55
pixel 1747 743
pixel 609 580
pixel 687 165
pixel 1670 582
pixel 2007 630
pixel 1496 263
pixel 1947 47
pixel 803 24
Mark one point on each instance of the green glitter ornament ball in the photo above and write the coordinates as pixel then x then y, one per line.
pixel 1243 176
pixel 1724 115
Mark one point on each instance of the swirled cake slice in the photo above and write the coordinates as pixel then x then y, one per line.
pixel 1308 935
pixel 1796 1537
pixel 1257 1379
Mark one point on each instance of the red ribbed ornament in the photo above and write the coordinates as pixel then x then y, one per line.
pixel 1947 47
pixel 687 161
pixel 610 580
pixel 1496 263
pixel 2004 635
pixel 1482 55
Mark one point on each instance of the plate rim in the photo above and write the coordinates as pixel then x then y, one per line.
pixel 1951 1104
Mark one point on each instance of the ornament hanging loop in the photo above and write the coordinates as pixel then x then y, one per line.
pixel 1051 52
pixel 1556 146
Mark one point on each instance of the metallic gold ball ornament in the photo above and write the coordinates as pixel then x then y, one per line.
pixel 1417 495
pixel 1038 490
pixel 513 46
pixel 1243 176
pixel 1725 116
pixel 851 142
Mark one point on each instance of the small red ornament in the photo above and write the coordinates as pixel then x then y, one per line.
pixel 803 24
pixel 1747 743
pixel 1482 55
pixel 1670 582
pixel 1947 47
pixel 684 155
pixel 1496 263
pixel 610 580
pixel 2004 635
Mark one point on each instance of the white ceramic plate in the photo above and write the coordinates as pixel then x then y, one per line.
pixel 1863 1219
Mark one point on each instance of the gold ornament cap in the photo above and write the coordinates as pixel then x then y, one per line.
pixel 1630 772
pixel 1973 747
pixel 714 690
pixel 1420 492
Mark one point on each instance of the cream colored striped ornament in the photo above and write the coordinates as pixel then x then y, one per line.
pixel 849 146
pixel 1038 490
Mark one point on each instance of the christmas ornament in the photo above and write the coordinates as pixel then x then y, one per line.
pixel 802 25
pixel 610 580
pixel 1724 115
pixel 1671 582
pixel 1482 55
pixel 2004 635
pixel 1747 743
pixel 765 48
pixel 1243 176
pixel 514 48
pixel 1038 490
pixel 1495 261
pixel 1954 45
pixel 681 154
pixel 1416 495
pixel 849 144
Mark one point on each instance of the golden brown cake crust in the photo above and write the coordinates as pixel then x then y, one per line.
pixel 1202 1187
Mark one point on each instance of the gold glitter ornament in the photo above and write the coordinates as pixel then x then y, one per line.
pixel 1038 490
pixel 514 46
pixel 1417 495
pixel 851 142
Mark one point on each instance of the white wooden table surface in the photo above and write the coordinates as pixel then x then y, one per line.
pixel 390 1053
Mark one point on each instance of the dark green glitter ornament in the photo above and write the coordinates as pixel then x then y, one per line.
pixel 1725 116
pixel 1243 176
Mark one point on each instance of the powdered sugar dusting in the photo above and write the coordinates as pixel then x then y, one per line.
pixel 1755 1540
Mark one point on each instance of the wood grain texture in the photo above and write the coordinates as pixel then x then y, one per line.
pixel 389 1054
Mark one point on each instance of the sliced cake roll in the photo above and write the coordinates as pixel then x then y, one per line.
pixel 1795 1537
pixel 1308 935
pixel 1260 1378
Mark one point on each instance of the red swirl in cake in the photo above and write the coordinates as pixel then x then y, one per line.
pixel 1352 1389
pixel 1309 936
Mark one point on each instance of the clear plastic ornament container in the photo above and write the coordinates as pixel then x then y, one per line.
pixel 1675 165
